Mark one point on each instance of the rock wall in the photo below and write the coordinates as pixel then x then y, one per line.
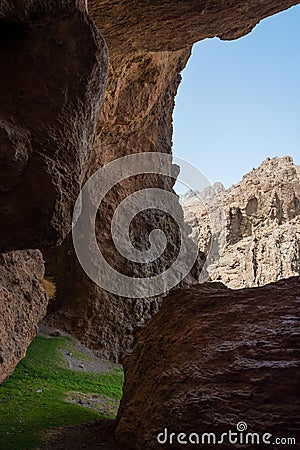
pixel 173 25
pixel 146 58
pixel 261 236
pixel 23 304
pixel 53 69
pixel 211 358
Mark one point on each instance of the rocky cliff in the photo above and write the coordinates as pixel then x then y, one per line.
pixel 54 66
pixel 210 359
pixel 136 117
pixel 261 233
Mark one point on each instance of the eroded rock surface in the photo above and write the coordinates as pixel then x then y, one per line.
pixel 261 234
pixel 102 320
pixel 23 303
pixel 213 357
pixel 173 25
pixel 53 69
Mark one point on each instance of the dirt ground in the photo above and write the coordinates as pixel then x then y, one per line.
pixel 91 363
pixel 95 436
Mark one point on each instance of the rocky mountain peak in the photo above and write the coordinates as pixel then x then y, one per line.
pixel 262 226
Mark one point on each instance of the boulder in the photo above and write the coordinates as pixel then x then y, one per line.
pixel 210 359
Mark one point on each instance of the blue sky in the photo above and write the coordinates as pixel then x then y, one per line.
pixel 239 101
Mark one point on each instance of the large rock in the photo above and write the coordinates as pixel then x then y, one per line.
pixel 212 358
pixel 23 304
pixel 261 234
pixel 176 24
pixel 53 69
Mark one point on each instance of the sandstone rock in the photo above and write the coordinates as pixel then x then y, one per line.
pixel 211 358
pixel 262 226
pixel 26 10
pixel 23 304
pixel 53 69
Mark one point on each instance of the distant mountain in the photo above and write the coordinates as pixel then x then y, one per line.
pixel 195 195
pixel 261 233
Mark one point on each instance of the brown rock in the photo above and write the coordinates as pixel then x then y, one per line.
pixel 23 304
pixel 101 320
pixel 52 74
pixel 261 234
pixel 173 25
pixel 136 116
pixel 211 358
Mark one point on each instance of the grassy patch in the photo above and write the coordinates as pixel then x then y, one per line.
pixel 104 405
pixel 32 400
pixel 69 345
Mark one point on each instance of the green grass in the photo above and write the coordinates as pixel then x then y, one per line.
pixel 69 344
pixel 26 415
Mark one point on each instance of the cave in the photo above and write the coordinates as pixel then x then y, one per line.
pixel 83 85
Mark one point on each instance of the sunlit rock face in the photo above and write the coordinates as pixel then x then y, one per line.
pixel 261 233
pixel 52 77
pixel 23 304
pixel 213 357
